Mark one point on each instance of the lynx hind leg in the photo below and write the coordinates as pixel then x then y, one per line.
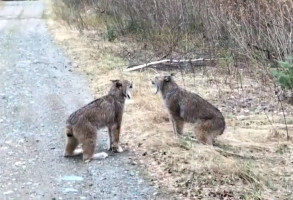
pixel 204 134
pixel 204 138
pixel 71 144
pixel 88 149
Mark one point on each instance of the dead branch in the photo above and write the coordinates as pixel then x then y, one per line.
pixel 165 61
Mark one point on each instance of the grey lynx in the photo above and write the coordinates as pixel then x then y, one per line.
pixel 185 106
pixel 107 111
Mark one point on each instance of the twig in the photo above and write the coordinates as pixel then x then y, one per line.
pixel 271 123
pixel 284 116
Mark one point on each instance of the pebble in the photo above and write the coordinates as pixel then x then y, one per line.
pixel 8 192
pixel 72 178
pixel 133 163
pixel 68 190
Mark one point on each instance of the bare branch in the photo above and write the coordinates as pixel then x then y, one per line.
pixel 165 61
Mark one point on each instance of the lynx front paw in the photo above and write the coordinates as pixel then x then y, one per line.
pixel 117 149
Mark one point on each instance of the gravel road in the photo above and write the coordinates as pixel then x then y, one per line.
pixel 38 90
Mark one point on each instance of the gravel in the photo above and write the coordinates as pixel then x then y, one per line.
pixel 38 90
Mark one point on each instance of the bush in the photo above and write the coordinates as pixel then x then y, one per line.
pixel 260 30
pixel 111 35
pixel 284 74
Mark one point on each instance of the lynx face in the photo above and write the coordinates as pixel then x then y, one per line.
pixel 123 87
pixel 162 81
pixel 127 89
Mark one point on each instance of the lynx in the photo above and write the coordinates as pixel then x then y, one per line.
pixel 83 124
pixel 185 106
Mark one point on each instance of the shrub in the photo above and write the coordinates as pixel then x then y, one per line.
pixel 284 74
pixel 260 30
pixel 111 35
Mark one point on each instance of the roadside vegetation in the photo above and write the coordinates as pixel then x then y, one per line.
pixel 249 79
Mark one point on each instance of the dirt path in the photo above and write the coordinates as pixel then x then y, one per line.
pixel 38 90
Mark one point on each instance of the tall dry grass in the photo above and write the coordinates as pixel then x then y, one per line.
pixel 260 30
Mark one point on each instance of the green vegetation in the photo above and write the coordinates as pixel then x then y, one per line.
pixel 111 35
pixel 284 74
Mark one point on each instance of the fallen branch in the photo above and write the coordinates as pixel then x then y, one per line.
pixel 169 61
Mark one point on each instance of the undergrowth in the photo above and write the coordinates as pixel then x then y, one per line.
pixel 252 159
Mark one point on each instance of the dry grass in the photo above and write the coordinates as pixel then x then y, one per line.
pixel 252 160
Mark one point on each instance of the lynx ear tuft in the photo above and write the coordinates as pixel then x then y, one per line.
pixel 118 83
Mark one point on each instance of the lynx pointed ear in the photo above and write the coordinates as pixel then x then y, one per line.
pixel 118 83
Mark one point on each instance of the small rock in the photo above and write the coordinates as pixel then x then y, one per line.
pixel 74 65
pixel 133 163
pixel 67 190
pixel 18 163
pixel 8 192
pixel 72 178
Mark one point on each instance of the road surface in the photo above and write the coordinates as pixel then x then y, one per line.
pixel 38 90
